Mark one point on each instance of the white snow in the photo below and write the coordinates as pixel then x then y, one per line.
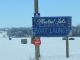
pixel 52 48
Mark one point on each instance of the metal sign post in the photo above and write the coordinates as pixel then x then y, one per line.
pixel 67 47
pixel 36 14
pixel 67 43
pixel 58 26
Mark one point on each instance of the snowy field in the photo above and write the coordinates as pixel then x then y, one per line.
pixel 50 49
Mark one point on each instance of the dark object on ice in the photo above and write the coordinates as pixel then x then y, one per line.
pixel 23 41
pixel 71 38
pixel 9 38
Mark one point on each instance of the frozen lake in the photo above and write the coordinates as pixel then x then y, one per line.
pixel 52 48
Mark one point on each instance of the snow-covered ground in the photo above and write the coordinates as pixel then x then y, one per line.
pixel 52 48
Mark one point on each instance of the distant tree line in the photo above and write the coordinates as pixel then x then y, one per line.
pixel 76 31
pixel 26 32
pixel 19 32
pixel 4 29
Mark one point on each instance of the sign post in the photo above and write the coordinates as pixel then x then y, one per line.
pixel 36 14
pixel 67 47
pixel 67 43
pixel 59 26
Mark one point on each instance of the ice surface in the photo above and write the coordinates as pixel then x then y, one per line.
pixel 52 48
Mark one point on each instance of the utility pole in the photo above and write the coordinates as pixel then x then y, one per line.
pixel 36 14
pixel 36 7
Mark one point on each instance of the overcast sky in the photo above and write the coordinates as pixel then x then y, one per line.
pixel 19 13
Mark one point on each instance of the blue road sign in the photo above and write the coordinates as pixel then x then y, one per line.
pixel 51 26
